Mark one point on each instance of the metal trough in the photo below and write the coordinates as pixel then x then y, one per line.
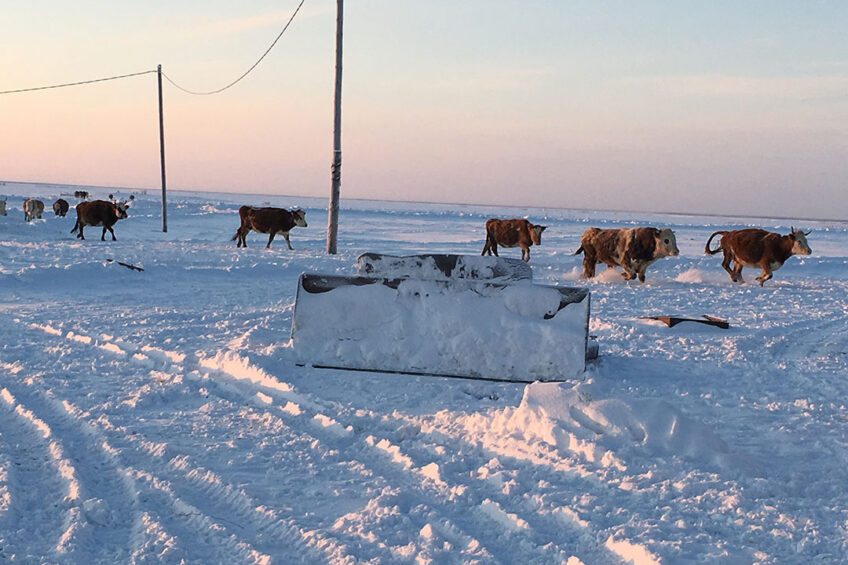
pixel 453 323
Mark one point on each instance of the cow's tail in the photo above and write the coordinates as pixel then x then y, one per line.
pixel 579 251
pixel 707 249
pixel 76 226
pixel 235 237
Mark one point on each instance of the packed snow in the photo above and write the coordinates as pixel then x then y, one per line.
pixel 161 416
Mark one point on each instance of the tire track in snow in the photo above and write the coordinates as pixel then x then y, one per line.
pixel 488 507
pixel 170 361
pixel 484 513
pixel 105 498
pixel 196 495
pixel 42 486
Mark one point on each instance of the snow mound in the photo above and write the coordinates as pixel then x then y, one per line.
pixel 576 419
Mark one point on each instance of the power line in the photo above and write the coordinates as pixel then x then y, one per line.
pixel 248 70
pixel 76 83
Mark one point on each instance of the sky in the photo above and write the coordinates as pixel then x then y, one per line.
pixel 712 107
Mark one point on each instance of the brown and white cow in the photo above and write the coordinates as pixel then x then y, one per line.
pixel 268 220
pixel 99 213
pixel 752 247
pixel 61 207
pixel 33 209
pixel 512 233
pixel 632 249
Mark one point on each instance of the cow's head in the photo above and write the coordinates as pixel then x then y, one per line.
pixel 299 217
pixel 666 244
pixel 536 234
pixel 799 242
pixel 121 209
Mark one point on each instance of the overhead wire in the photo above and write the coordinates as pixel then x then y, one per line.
pixel 76 83
pixel 247 72
pixel 169 79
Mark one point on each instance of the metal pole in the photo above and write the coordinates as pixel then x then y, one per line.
pixel 333 212
pixel 162 152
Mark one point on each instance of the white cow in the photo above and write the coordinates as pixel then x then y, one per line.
pixel 33 209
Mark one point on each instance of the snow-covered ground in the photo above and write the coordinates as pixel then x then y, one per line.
pixel 159 416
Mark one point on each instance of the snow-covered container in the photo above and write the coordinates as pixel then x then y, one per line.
pixel 459 327
pixel 443 267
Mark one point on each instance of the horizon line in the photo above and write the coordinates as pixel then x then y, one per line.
pixel 362 199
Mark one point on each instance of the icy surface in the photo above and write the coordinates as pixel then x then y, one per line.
pixel 159 416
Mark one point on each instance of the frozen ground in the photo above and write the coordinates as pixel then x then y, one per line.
pixel 158 416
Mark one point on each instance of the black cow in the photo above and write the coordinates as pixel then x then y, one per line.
pixel 99 213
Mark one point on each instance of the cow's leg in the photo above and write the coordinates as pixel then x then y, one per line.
pixel 726 264
pixel 525 253
pixel 243 236
pixel 79 235
pixel 103 235
pixel 588 266
pixel 629 273
pixel 766 275
pixel 112 232
pixel 737 272
pixel 640 272
pixel 487 248
pixel 270 239
pixel 286 235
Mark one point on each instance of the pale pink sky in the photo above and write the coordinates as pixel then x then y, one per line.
pixel 710 107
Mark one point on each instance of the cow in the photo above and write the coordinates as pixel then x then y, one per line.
pixel 632 249
pixel 81 194
pixel 753 247
pixel 61 207
pixel 33 209
pixel 268 220
pixel 512 233
pixel 3 207
pixel 99 213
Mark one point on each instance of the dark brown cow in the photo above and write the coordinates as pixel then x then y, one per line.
pixel 752 247
pixel 632 249
pixel 99 213
pixel 268 220
pixel 512 233
pixel 61 207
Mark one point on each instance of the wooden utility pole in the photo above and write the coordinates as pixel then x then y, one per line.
pixel 162 152
pixel 333 211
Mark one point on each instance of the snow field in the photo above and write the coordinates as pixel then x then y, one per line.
pixel 159 416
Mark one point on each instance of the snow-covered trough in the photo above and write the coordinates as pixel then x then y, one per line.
pixel 412 315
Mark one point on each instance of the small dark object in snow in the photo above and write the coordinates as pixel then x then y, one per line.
pixel 672 321
pixel 127 265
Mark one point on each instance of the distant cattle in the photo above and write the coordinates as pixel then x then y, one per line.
pixel 268 220
pixel 512 233
pixel 632 249
pixel 756 248
pixel 99 213
pixel 61 207
pixel 33 209
pixel 3 207
pixel 81 194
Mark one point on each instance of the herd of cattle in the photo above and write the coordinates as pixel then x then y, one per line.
pixel 95 213
pixel 635 249
pixel 632 249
